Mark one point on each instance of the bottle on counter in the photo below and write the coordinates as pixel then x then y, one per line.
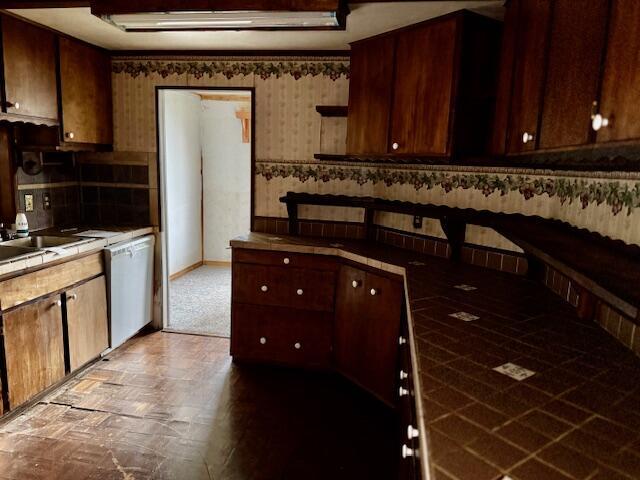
pixel 22 225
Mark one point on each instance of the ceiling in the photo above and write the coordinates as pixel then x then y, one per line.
pixel 365 20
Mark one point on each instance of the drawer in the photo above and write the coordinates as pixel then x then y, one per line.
pixel 281 335
pixel 285 287
pixel 284 259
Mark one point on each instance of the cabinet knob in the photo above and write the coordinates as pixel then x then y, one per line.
pixel 598 122
pixel 299 291
pixel 412 432
pixel 15 106
pixel 527 137
pixel 286 261
pixel 355 283
pixel 263 340
pixel 395 145
pixel 57 303
pixel 407 452
pixel 373 291
pixel 402 341
pixel 297 346
pixel 73 296
pixel 403 391
pixel 69 135
pixel 403 375
pixel 264 288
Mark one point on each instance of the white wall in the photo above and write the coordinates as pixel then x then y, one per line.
pixel 226 176
pixel 183 179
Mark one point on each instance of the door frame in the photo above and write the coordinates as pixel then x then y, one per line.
pixel 162 180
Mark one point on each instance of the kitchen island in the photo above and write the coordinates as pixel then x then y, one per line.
pixel 503 378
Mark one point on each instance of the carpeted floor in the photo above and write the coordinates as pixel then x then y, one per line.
pixel 200 301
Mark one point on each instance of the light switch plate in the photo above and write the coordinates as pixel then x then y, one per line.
pixel 28 202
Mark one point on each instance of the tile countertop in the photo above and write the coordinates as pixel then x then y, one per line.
pixel 577 416
pixel 83 245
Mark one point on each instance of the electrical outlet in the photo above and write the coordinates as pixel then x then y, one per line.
pixel 46 201
pixel 417 221
pixel 28 202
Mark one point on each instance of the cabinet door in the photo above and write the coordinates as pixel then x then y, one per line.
pixel 350 322
pixel 498 135
pixel 620 95
pixel 367 324
pixel 29 69
pixel 370 87
pixel 34 351
pixel 380 339
pixel 423 89
pixel 87 322
pixel 573 72
pixel 528 75
pixel 85 85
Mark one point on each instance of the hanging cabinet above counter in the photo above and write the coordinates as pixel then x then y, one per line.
pixel 54 80
pixel 570 77
pixel 426 89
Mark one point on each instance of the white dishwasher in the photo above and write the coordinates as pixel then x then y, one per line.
pixel 129 268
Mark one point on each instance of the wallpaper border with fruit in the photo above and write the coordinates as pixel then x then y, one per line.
pixel 619 196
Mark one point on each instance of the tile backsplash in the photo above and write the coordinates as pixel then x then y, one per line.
pixel 58 181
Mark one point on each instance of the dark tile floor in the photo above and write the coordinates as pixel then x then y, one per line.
pixel 171 406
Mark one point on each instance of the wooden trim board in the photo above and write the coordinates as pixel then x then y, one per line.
pixel 184 271
pixel 217 263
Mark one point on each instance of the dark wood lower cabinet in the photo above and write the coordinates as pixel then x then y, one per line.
pixel 315 311
pixel 87 322
pixel 33 344
pixel 367 318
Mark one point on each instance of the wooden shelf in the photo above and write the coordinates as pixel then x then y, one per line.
pixel 610 269
pixel 332 110
pixel 15 118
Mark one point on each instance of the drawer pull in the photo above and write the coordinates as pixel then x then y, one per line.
pixel 373 291
pixel 527 137
pixel 403 375
pixel 407 452
pixel 264 288
pixel 57 303
pixel 403 391
pixel 402 341
pixel 286 261
pixel 299 291
pixel 395 145
pixel 412 432
pixel 297 346
pixel 73 296
pixel 356 283
pixel 263 340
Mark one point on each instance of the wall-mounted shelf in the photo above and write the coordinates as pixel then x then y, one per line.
pixel 332 110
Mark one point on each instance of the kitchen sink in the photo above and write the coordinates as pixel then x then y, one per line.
pixel 40 241
pixel 13 253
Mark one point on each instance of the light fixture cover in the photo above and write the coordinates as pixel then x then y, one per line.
pixel 223 20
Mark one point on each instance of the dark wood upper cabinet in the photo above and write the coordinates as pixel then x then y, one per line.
pixel 424 78
pixel 529 73
pixel 418 98
pixel 85 86
pixel 29 61
pixel 573 72
pixel 620 94
pixel 370 87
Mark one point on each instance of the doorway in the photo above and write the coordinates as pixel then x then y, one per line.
pixel 205 148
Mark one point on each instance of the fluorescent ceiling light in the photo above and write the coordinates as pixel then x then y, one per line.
pixel 222 20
